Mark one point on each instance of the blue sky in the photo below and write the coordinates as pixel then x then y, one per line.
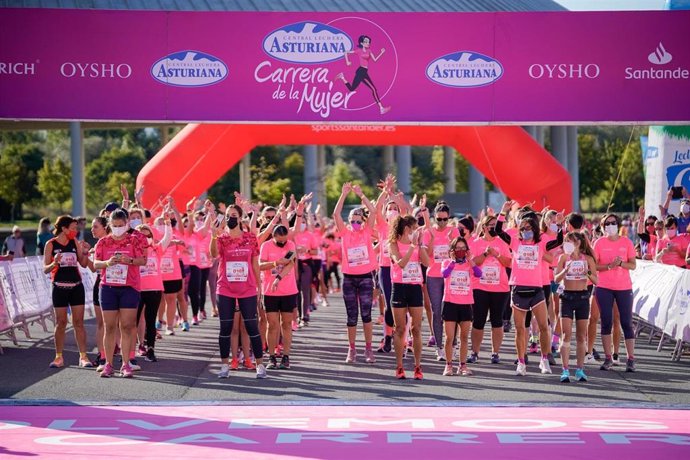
pixel 609 5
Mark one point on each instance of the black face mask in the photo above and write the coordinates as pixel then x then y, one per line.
pixel 281 244
pixel 233 222
pixel 420 221
pixel 173 223
pixel 263 227
pixel 492 232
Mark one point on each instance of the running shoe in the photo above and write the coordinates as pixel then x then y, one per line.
pixel 284 362
pixel 385 110
pixel 565 376
pixel 248 364
pixel 544 366
pixel 272 362
pixel 580 375
pixel 85 362
pixel 302 323
pixel 234 364
pixel 630 365
pixel 521 369
pixel 473 358
pixel 170 331
pixel 432 342
pixel 551 359
pixel 607 365
pixel 418 373
pixel 495 359
pixel 596 354
pixel 440 354
pixel 141 350
pixel 533 348
pixel 126 371
pixel 151 356
pixel 158 336
pixel 101 365
pixel 313 307
pixel 506 326
pixel 295 327
pixel 203 315
pixel 351 355
pixel 158 325
pixel 465 371
pixel 107 371
pixel 224 372
pixel 57 363
pixel 133 365
pixel 526 360
pixel 260 371
pixel 388 344
pixel 185 326
pixel 589 359
pixel 616 361
pixel 195 321
pixel 400 373
pixel 448 370
pixel 369 356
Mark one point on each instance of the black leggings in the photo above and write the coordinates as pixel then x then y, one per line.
pixel 197 288
pixel 624 302
pixel 362 76
pixel 304 286
pixel 248 310
pixel 149 303
pixel 333 270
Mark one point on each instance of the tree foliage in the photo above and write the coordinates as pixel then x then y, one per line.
pixel 55 183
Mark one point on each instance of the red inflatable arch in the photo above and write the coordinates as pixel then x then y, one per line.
pixel 200 154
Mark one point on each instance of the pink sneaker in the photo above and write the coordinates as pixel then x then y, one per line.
pixel 107 371
pixel 295 327
pixel 126 371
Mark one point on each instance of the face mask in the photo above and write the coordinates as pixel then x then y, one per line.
pixel 281 244
pixel 671 232
pixel 150 240
pixel 420 221
pixel 71 234
pixel 135 223
pixel 160 228
pixel 568 247
pixel 527 235
pixel 303 226
pixel 492 232
pixel 553 227
pixel 392 214
pixel 233 222
pixel 460 254
pixel 119 231
pixel 611 230
pixel 356 226
pixel 685 209
pixel 173 223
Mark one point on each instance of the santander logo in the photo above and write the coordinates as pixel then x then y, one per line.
pixel 660 55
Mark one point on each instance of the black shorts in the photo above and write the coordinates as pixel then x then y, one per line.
pixel 407 295
pixel 64 297
pixel 96 285
pixel 280 303
pixel 575 305
pixel 526 297
pixel 456 313
pixel 172 286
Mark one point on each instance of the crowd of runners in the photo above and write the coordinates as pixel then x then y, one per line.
pixel 411 273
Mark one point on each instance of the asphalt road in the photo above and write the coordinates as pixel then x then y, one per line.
pixel 188 363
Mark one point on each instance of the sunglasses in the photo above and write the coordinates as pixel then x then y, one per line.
pixel 353 222
pixel 611 222
pixel 650 224
pixel 270 217
pixel 441 219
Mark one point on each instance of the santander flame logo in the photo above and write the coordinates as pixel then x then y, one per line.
pixel 660 55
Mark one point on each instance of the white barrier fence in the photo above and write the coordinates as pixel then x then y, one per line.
pixel 25 295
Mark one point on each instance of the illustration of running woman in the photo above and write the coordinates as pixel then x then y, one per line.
pixel 364 53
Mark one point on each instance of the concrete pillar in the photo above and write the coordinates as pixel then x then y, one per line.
pixel 165 135
pixel 532 131
pixel 388 159
pixel 574 166
pixel 321 184
pixel 477 191
pixel 449 169
pixel 541 132
pixel 311 173
pixel 403 157
pixel 77 156
pixel 246 176
pixel 559 144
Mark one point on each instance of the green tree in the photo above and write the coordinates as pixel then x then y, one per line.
pixel 266 185
pixel 19 164
pixel 111 191
pixel 54 183
pixel 127 158
pixel 294 170
pixel 339 173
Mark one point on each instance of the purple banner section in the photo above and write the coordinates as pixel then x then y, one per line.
pixel 345 67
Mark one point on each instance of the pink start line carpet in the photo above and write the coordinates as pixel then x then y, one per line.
pixel 341 432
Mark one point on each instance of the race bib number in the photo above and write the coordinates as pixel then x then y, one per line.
pixel 237 271
pixel 358 256
pixel 203 258
pixel 167 265
pixel 412 273
pixel 192 254
pixel 116 274
pixel 490 275
pixel 151 267
pixel 459 282
pixel 440 253
pixel 528 257
pixel 68 259
pixel 386 250
pixel 577 271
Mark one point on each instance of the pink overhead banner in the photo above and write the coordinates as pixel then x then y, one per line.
pixel 345 67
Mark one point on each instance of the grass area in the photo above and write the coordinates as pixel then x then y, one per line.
pixel 24 224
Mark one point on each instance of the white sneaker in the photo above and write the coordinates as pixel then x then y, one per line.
pixel 589 359
pixel 351 355
pixel 133 365
pixel 544 366
pixel 224 372
pixel 260 371
pixel 169 332
pixel 521 369
pixel 369 356
pixel 440 354
pixel 448 370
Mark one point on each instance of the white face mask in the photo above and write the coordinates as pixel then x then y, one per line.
pixel 392 214
pixel 160 228
pixel 135 223
pixel 611 230
pixel 553 227
pixel 671 232
pixel 119 231
pixel 685 209
pixel 150 240
pixel 568 247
